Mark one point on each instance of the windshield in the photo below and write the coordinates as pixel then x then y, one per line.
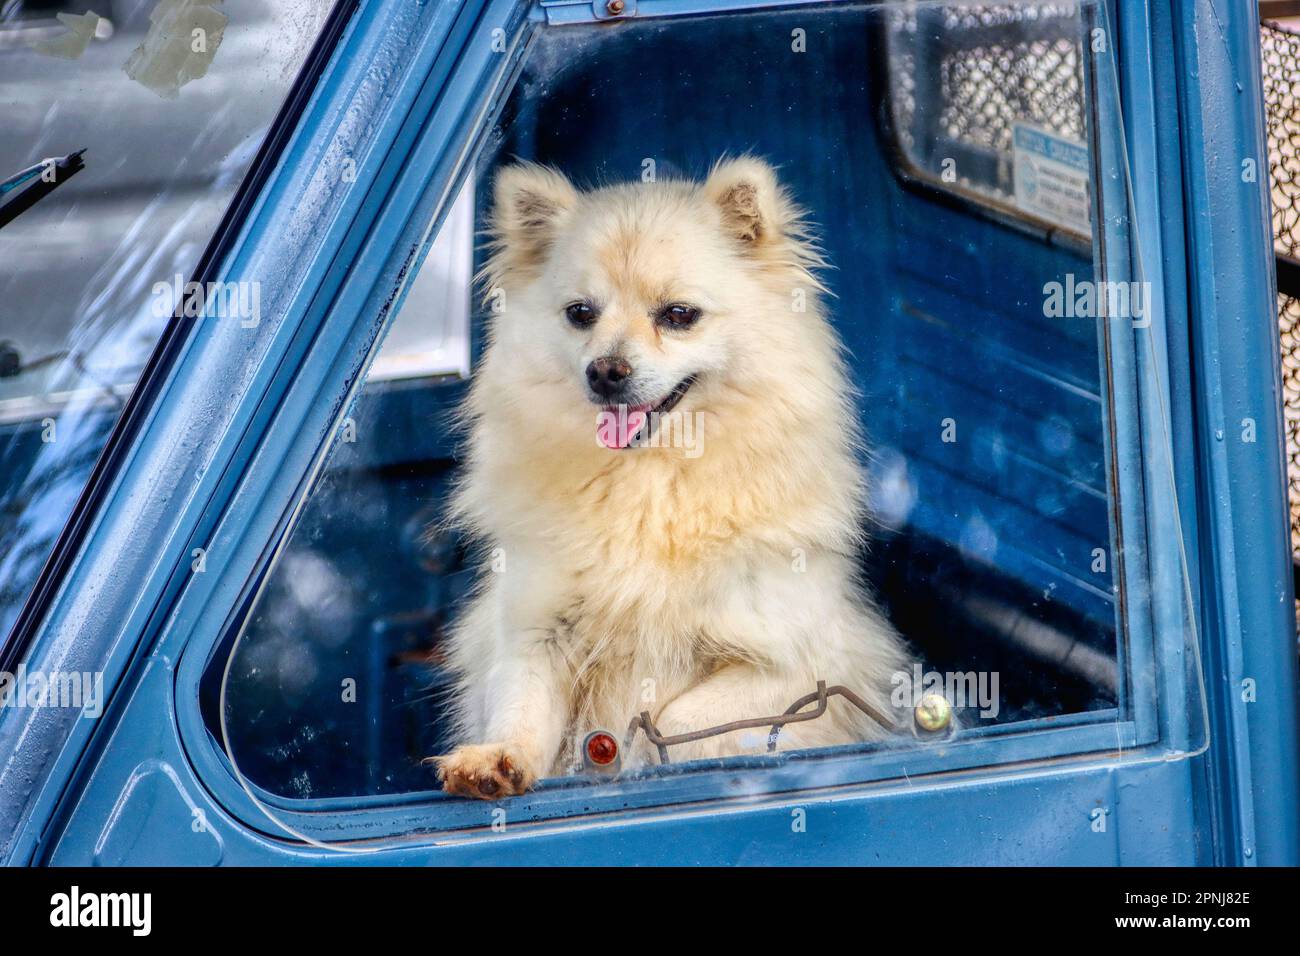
pixel 129 124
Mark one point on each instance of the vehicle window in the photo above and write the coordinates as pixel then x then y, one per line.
pixel 988 371
pixel 979 95
pixel 1280 55
pixel 129 124
pixel 431 335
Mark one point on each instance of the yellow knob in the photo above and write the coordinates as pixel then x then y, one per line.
pixel 933 713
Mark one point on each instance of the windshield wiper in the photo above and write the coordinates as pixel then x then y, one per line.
pixel 39 181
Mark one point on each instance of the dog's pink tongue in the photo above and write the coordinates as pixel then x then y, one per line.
pixel 616 427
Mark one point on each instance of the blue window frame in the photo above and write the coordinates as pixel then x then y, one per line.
pixel 268 444
pixel 1126 456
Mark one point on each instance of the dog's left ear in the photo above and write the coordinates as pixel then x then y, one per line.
pixel 755 209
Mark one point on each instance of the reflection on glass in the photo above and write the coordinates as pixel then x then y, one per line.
pixel 170 103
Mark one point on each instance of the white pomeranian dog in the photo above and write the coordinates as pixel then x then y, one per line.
pixel 665 470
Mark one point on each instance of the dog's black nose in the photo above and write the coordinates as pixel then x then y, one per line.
pixel 608 376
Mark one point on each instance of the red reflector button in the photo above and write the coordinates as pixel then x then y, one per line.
pixel 601 748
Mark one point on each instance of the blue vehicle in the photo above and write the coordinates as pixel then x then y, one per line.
pixel 238 311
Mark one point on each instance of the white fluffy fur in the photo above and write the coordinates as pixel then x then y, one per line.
pixel 702 590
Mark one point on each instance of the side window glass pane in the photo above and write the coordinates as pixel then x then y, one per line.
pixel 995 392
pixel 128 127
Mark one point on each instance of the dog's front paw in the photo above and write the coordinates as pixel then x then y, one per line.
pixel 485 771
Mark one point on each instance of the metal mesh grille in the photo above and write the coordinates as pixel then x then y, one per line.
pixel 991 75
pixel 1280 49
pixel 987 89
pixel 969 16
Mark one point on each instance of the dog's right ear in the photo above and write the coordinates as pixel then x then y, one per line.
pixel 530 203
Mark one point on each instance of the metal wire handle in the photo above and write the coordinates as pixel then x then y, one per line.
pixel 791 716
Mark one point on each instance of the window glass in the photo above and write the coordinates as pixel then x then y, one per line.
pixel 1280 56
pixel 129 124
pixel 991 371
pixel 1010 80
pixel 430 336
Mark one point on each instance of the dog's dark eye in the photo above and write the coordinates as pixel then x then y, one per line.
pixel 678 316
pixel 581 314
